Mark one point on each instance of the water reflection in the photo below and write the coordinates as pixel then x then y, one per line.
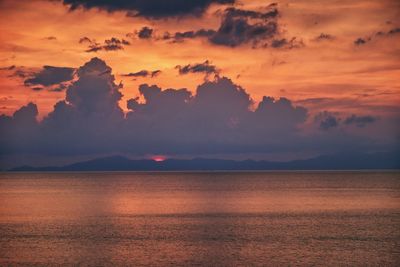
pixel 208 219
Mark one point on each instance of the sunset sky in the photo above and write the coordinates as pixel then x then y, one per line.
pixel 334 64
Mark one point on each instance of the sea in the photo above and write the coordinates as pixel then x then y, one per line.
pixel 288 218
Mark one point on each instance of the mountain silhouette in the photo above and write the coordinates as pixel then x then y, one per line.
pixel 349 161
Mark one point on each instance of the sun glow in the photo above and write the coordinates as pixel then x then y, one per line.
pixel 158 158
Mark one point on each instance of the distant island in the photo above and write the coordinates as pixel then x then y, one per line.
pixel 349 161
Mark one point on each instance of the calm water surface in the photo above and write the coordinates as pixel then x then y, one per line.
pixel 211 219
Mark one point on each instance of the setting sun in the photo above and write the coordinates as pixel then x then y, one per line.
pixel 158 158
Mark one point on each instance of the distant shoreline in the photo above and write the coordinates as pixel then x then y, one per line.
pixel 340 162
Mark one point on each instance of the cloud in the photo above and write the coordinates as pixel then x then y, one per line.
pixel 271 13
pixel 50 38
pixel 8 68
pixel 219 117
pixel 154 9
pixel 239 27
pixel 50 75
pixel 394 31
pixel 112 44
pixel 85 39
pixel 324 36
pixel 143 73
pixel 284 43
pixel 359 121
pixel 361 41
pixel 26 114
pixel 242 26
pixel 364 40
pixel 19 130
pixel 180 36
pixel 145 33
pixel 326 120
pixel 205 67
pixel 50 78
pixel 94 91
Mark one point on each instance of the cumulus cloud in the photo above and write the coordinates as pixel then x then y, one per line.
pixel 219 117
pixel 216 118
pixel 19 130
pixel 154 9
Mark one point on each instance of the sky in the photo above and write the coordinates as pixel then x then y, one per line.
pixel 230 79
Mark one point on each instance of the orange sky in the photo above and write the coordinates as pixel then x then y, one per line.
pixel 365 75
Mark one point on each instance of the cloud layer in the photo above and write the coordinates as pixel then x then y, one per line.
pixel 149 8
pixel 219 118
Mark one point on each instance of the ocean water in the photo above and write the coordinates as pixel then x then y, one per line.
pixel 203 219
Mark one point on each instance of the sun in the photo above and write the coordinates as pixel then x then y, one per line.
pixel 158 158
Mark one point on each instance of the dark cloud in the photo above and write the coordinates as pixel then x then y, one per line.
pixel 20 72
pixel 279 43
pixel 59 88
pixel 143 73
pixel 394 31
pixel 235 12
pixel 8 68
pixel 51 38
pixel 205 67
pixel 145 33
pixel 326 120
pixel 154 9
pixel 19 130
pixel 243 26
pixel 360 41
pixel 50 75
pixel 359 121
pixel 94 91
pixel 85 39
pixel 219 117
pixel 180 36
pixel 239 27
pixel 284 43
pixel 324 36
pixel 111 44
